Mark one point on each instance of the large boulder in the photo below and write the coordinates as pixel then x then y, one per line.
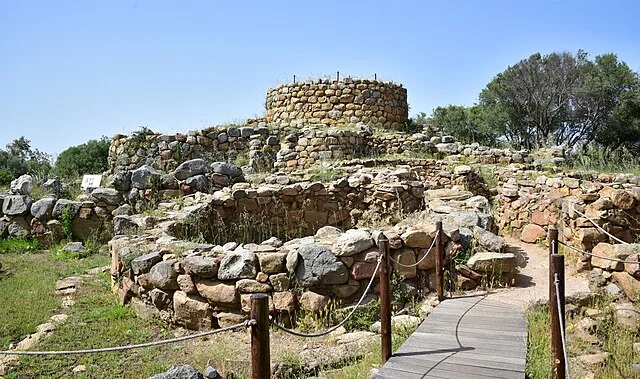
pixel 493 262
pixel 218 293
pixel 143 264
pixel 144 177
pixel 21 186
pixel 488 240
pixel 272 263
pixel 613 251
pixel 190 168
pixel 67 207
pixel 318 265
pixel 622 199
pixel 191 311
pixel 198 183
pixel 43 208
pixel 52 187
pixel 16 205
pixel 18 227
pixel 204 267
pixel 241 264
pixel 121 181
pixel 417 238
pixel 226 168
pixel 124 225
pixel 352 242
pixel 629 284
pixel 109 196
pixel 531 233
pixel 164 276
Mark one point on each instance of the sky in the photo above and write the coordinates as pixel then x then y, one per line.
pixel 71 71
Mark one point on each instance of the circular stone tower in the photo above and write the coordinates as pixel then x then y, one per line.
pixel 335 103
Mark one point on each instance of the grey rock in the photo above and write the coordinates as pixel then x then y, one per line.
pixel 448 139
pixel 204 267
pixel 128 254
pixel 74 247
pixel 233 132
pixel 143 264
pixel 246 131
pixel 143 177
pixel 190 168
pixel 43 208
pixel 223 137
pixel 180 372
pixel 212 373
pixel 18 227
pixel 63 206
pixel 488 240
pixel 273 141
pixel 124 225
pixel 123 210
pixel 22 185
pixel 4 227
pixel 16 205
pixel 318 265
pixel 121 181
pixel 159 298
pixel 169 181
pixel 52 187
pixel 226 168
pixel 280 282
pixel 109 196
pixel 239 264
pixel 352 242
pixel 198 183
pixel 493 262
pixel 164 276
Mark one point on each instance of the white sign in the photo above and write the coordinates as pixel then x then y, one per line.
pixel 90 181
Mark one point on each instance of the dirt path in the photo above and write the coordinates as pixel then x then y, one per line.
pixel 532 282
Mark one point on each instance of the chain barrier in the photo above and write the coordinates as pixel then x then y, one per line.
pixel 556 282
pixel 591 254
pixel 331 329
pixel 244 324
pixel 433 243
pixel 598 226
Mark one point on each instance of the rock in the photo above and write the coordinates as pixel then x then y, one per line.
pixel 79 368
pixel 121 181
pixel 629 284
pixel 363 270
pixel 204 267
pixel 23 185
pixel 52 187
pixel 74 248
pixel 230 318
pixel 632 265
pixel 317 265
pixel 617 251
pixel 42 209
pixel 241 264
pixel 622 199
pixel 417 238
pixel 627 316
pixel 328 233
pixel 180 372
pixel 198 183
pixel 16 205
pixel 159 298
pixel 593 361
pixel 252 286
pixel 18 227
pixel 124 225
pixel 123 210
pixel 493 262
pixel 406 257
pixel 313 302
pixel 225 168
pixel 109 196
pixel 354 337
pixel 462 170
pixel 353 242
pixel 190 168
pixel 64 206
pixel 164 276
pixel 272 263
pixel 404 323
pixel 218 293
pixel 280 282
pixel 212 373
pixel 613 291
pixel 284 302
pixel 488 240
pixel 273 241
pixel 143 264
pixel 145 177
pixel 531 233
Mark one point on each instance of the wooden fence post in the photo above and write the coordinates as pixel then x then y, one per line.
pixel 385 298
pixel 439 262
pixel 260 353
pixel 556 269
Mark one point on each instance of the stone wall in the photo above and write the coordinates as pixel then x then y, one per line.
pixel 331 103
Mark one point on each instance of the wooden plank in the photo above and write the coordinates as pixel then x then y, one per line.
pixel 441 327
pixel 478 320
pixel 417 352
pixel 435 339
pixel 430 345
pixel 449 370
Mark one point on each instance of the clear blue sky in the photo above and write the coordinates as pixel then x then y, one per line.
pixel 71 71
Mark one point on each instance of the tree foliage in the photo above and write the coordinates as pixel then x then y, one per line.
pixel 468 124
pixel 20 158
pixel 87 158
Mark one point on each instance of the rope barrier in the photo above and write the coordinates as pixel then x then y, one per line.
pixel 598 226
pixel 244 324
pixel 433 243
pixel 331 329
pixel 591 254
pixel 556 282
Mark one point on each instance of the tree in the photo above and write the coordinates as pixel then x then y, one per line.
pixel 468 124
pixel 87 158
pixel 20 159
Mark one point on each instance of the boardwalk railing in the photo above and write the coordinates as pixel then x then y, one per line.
pixel 260 321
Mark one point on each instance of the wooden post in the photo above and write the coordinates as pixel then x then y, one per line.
pixel 260 354
pixel 294 79
pixel 556 268
pixel 439 262
pixel 337 76
pixel 385 298
pixel 375 76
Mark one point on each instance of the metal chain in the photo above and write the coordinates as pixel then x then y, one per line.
pixel 331 329
pixel 598 226
pixel 244 324
pixel 433 243
pixel 556 282
pixel 591 254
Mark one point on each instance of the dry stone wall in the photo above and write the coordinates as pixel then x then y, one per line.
pixel 332 103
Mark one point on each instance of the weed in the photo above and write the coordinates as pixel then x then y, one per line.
pixel 66 219
pixel 19 245
pixel 539 343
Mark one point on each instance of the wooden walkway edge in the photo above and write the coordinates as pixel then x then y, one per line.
pixel 465 337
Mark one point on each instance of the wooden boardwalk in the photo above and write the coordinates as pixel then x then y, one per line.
pixel 466 337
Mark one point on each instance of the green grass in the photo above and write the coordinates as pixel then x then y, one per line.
pixel 19 245
pixel 27 285
pixel 539 348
